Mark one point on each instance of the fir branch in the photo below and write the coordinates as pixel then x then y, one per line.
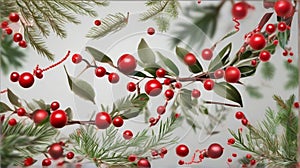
pixel 268 70
pixel 111 23
pixel 253 91
pixel 154 10
pixel 293 76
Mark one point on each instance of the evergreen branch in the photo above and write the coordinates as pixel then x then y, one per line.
pixel 154 10
pixel 111 23
pixel 268 70
pixel 253 91
pixel 293 76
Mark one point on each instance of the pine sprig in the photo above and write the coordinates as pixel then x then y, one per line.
pixel 111 23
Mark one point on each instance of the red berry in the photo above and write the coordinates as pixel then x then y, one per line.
pixel 283 8
pixel 167 81
pixel 196 93
pixel 21 111
pixel 244 121
pixel 4 24
pixel 190 59
pixel 161 110
pixel 154 153
pixel 230 141
pixel 219 73
pixel 118 121
pixel 151 31
pixel 153 87
pixel 131 87
pixel 17 37
pixel 97 22
pixel 178 85
pixel 232 74
pixel 239 10
pixel 253 63
pixel 46 162
pixel 296 104
pixel 8 31
pixel 127 134
pixel 58 118
pixel 160 72
pixel 70 155
pixel 56 151
pixel 164 150
pixel 270 28
pixel 257 41
pixel 169 94
pixel 234 155
pixel 252 162
pixel 113 78
pixel 180 162
pixel 14 76
pixel 76 58
pixel 182 150
pixel 39 73
pixel 54 105
pixel 248 156
pixel 177 115
pixel 281 26
pixel 229 160
pixel 275 42
pixel 132 158
pixel 291 54
pixel 39 116
pixel 285 53
pixel 209 84
pixel 127 64
pixel 28 161
pixel 12 122
pixel 102 120
pixel 201 156
pixel 22 44
pixel 264 56
pixel 143 163
pixel 152 120
pixel 26 80
pixel 207 54
pixel 100 71
pixel 289 60
pixel 239 115
pixel 215 151
pixel 14 17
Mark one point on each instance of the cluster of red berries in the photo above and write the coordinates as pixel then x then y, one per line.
pixel 56 151
pixel 142 162
pixel 229 160
pixel 240 116
pixel 252 161
pixel 161 153
pixel 26 79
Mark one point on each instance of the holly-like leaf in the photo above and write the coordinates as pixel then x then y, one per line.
pixel 98 55
pixel 81 88
pixel 247 71
pixel 181 52
pixel 221 59
pixel 145 53
pixel 4 108
pixel 229 92
pixel 14 99
pixel 268 70
pixel 283 38
pixel 169 64
pixel 69 113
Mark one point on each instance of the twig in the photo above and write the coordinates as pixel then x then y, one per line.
pixel 219 103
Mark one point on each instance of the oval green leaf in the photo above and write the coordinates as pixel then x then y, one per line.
pixel 169 64
pixel 98 55
pixel 181 52
pixel 4 108
pixel 247 71
pixel 14 99
pixel 145 53
pixel 69 113
pixel 221 59
pixel 229 92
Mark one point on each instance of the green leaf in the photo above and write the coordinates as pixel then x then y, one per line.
pixel 13 98
pixel 81 88
pixel 268 70
pixel 98 55
pixel 283 38
pixel 293 76
pixel 253 92
pixel 139 74
pixel 69 113
pixel 145 53
pixel 185 98
pixel 136 106
pixel 41 103
pixel 152 69
pixel 229 92
pixel 245 55
pixel 221 59
pixel 4 108
pixel 169 64
pixel 181 52
pixel 247 71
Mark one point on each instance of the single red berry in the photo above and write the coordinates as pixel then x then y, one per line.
pixel 76 58
pixel 296 104
pixel 28 161
pixel 38 73
pixel 118 121
pixel 253 62
pixel 232 74
pixel 131 87
pixel 161 110
pixel 62 143
pixel 209 84
pixel 239 115
pixel 127 64
pixel 56 151
pixel 54 105
pixel 152 120
pixel 270 28
pixel 153 87
pixel 291 54
pixel 12 122
pixel 215 150
pixel 234 155
pixel 244 121
pixel 196 93
pixel 154 153
pixel 22 44
pixel 248 156
pixel 264 56
pixel 239 10
pixel 127 134
pixel 17 37
pixel 190 59
pixel 182 150
pixel 252 162
pixel 230 141
pixel 132 158
pixel 58 118
pixel 143 163
pixel 160 72
pixel 102 120
pixel 8 31
pixel 4 24
pixel 14 76
pixel 180 162
pixel 70 155
pixel 100 71
pixel 150 30
pixel 60 164
pixel 275 42
pixel 14 17
pixel 46 162
pixel 2 117
pixel 113 78
pixel 177 115
pixel 178 85
pixel 167 81
pixel 39 116
pixel 229 160
pixel 97 22
pixel 201 156
pixel 26 80
pixel 283 8
pixel 285 53
pixel 281 26
pixel 169 94
pixel 164 150
pixel 289 60
pixel 257 41
pixel 207 54
pixel 219 73
pixel 21 111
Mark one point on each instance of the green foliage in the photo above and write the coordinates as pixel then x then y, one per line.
pixel 98 55
pixel 268 70
pixel 181 52
pixel 229 92
pixel 221 59
pixel 254 92
pixel 293 76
